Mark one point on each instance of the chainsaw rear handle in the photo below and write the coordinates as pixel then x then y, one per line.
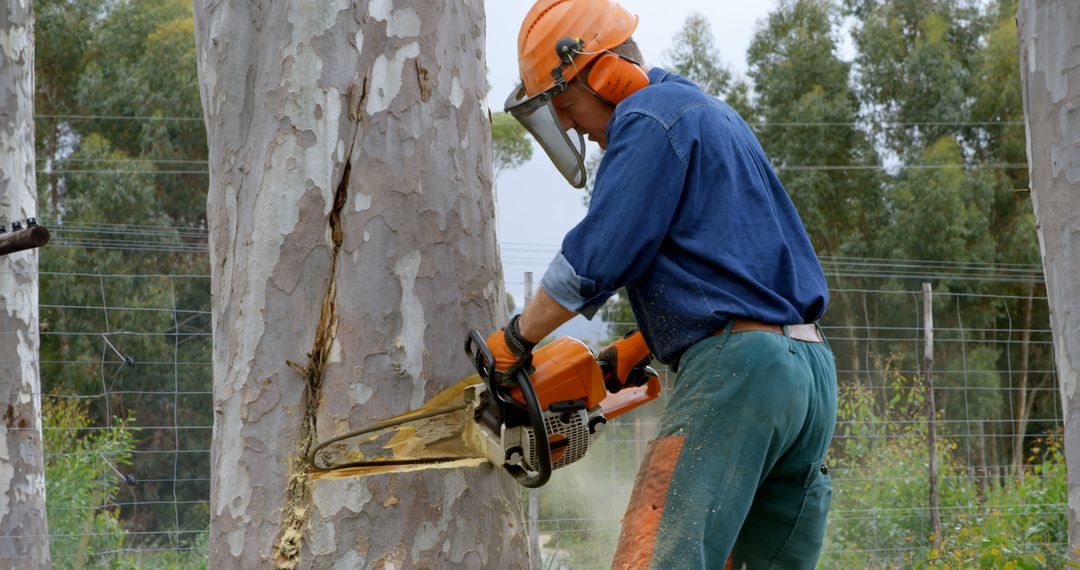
pixel 617 404
pixel 477 349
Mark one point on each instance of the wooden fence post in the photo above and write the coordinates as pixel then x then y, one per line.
pixel 931 409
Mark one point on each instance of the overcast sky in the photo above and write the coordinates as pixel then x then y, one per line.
pixel 536 205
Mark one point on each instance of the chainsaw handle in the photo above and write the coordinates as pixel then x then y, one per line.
pixel 618 403
pixel 543 444
pixel 477 349
pixel 484 362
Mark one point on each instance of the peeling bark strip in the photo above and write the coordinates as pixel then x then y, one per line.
pixel 425 81
pixel 24 534
pixel 357 93
pixel 1050 72
pixel 401 252
pixel 286 550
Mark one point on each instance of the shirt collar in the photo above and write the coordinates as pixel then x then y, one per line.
pixel 658 75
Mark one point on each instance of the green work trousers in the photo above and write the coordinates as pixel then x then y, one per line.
pixel 738 465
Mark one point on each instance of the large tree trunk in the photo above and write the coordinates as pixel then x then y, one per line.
pixel 1050 70
pixel 24 536
pixel 352 231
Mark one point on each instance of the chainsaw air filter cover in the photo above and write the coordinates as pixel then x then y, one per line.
pixel 568 434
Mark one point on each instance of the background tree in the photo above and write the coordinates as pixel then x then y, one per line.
pixel 809 124
pixel 694 55
pixel 24 541
pixel 63 30
pixel 140 62
pixel 511 145
pixel 939 101
pixel 807 118
pixel 1049 36
pixel 915 60
pixel 351 230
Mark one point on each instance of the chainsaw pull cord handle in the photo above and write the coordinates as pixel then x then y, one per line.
pixel 485 366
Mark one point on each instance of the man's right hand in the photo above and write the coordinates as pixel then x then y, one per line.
pixel 511 352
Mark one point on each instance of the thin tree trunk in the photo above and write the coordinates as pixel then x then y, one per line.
pixel 1022 397
pixel 52 144
pixel 352 231
pixel 24 541
pixel 853 334
pixel 982 470
pixel 1050 74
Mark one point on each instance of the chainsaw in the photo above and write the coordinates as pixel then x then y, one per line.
pixel 546 419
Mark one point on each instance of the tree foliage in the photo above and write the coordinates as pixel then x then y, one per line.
pixel 117 85
pixel 81 483
pixel 694 56
pixel 808 123
pixel 1008 525
pixel 511 145
pixel 125 71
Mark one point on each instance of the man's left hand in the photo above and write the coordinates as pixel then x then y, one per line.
pixel 511 351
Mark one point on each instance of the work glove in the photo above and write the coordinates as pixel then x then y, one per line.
pixel 511 352
pixel 625 362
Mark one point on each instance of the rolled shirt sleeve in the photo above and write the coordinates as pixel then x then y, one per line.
pixel 638 189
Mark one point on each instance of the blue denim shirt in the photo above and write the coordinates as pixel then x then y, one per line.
pixel 687 214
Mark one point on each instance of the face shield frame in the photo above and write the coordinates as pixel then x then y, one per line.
pixel 537 114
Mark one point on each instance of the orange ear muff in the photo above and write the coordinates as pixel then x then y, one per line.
pixel 614 78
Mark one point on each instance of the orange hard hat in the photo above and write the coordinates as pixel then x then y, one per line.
pixel 594 25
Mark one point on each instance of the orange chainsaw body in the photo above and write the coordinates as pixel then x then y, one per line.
pixel 570 405
pixel 565 370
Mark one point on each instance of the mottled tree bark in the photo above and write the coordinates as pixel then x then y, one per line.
pixel 1050 71
pixel 352 230
pixel 24 538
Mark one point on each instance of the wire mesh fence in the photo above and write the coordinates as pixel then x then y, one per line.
pixel 126 371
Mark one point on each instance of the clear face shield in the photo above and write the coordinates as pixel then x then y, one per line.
pixel 537 114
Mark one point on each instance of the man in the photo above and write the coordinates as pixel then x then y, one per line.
pixel 688 215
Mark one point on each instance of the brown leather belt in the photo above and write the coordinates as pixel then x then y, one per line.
pixel 807 333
